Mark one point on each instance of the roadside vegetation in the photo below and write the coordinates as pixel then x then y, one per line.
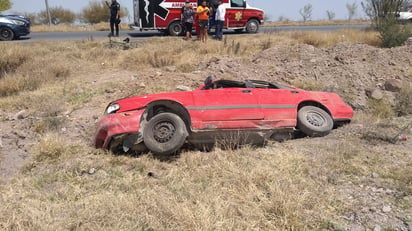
pixel 304 184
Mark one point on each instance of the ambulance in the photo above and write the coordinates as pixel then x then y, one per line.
pixel 165 15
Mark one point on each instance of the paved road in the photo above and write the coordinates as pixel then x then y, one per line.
pixel 90 35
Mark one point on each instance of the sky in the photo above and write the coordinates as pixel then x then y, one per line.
pixel 274 9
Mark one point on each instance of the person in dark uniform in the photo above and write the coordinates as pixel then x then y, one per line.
pixel 114 16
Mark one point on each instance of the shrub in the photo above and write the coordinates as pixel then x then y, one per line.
pixel 157 60
pixel 381 108
pixel 393 34
pixel 94 13
pixel 58 15
pixel 11 59
pixel 383 15
pixel 404 101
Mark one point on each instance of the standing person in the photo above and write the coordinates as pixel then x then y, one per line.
pixel 203 15
pixel 212 18
pixel 188 19
pixel 220 19
pixel 114 16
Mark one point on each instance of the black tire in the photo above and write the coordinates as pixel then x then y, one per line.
pixel 164 134
pixel 6 34
pixel 314 121
pixel 252 26
pixel 175 28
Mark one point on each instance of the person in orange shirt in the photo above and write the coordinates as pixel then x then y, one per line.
pixel 203 16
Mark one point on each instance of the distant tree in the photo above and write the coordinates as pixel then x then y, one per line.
pixel 352 9
pixel 379 10
pixel 331 15
pixel 96 12
pixel 306 12
pixel 367 9
pixel 383 14
pixel 283 19
pixel 5 5
pixel 58 15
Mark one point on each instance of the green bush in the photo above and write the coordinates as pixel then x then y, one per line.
pixel 392 33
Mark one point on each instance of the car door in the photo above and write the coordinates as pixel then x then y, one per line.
pixel 235 14
pixel 279 106
pixel 225 108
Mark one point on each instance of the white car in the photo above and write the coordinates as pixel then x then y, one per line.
pixel 405 13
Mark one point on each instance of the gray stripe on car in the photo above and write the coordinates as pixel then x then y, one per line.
pixel 242 107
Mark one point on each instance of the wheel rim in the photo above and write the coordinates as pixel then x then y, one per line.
pixel 164 132
pixel 176 29
pixel 316 119
pixel 5 33
pixel 252 27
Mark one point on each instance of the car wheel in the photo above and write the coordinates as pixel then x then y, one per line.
pixel 6 34
pixel 175 28
pixel 164 134
pixel 252 26
pixel 314 121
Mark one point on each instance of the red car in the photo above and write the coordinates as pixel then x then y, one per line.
pixel 219 109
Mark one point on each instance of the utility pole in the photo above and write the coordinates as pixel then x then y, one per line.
pixel 48 11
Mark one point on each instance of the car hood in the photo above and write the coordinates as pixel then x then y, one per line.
pixel 6 19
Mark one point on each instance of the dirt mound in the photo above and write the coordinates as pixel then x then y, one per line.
pixel 347 69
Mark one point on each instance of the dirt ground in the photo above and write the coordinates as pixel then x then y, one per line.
pixel 351 70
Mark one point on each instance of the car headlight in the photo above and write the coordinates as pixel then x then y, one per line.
pixel 17 22
pixel 112 108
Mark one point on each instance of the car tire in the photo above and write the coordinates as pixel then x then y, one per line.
pixel 6 34
pixel 252 26
pixel 175 28
pixel 164 134
pixel 314 121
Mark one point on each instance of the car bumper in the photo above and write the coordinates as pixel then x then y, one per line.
pixel 113 125
pixel 343 112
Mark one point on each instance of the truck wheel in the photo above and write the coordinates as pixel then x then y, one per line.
pixel 6 34
pixel 175 28
pixel 314 121
pixel 252 26
pixel 165 133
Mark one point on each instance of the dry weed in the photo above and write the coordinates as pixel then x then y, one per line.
pixel 245 189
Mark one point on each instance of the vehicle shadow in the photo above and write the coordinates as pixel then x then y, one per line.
pixel 146 34
pixel 223 143
pixel 23 38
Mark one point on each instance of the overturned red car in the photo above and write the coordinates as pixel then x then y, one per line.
pixel 253 109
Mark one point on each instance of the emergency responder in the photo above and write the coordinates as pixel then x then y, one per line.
pixel 114 16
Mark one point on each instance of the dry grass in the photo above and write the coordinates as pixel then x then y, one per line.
pixel 331 38
pixel 245 189
pixel 27 70
pixel 104 26
pixel 70 185
pixel 70 28
pixel 280 187
pixel 316 23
